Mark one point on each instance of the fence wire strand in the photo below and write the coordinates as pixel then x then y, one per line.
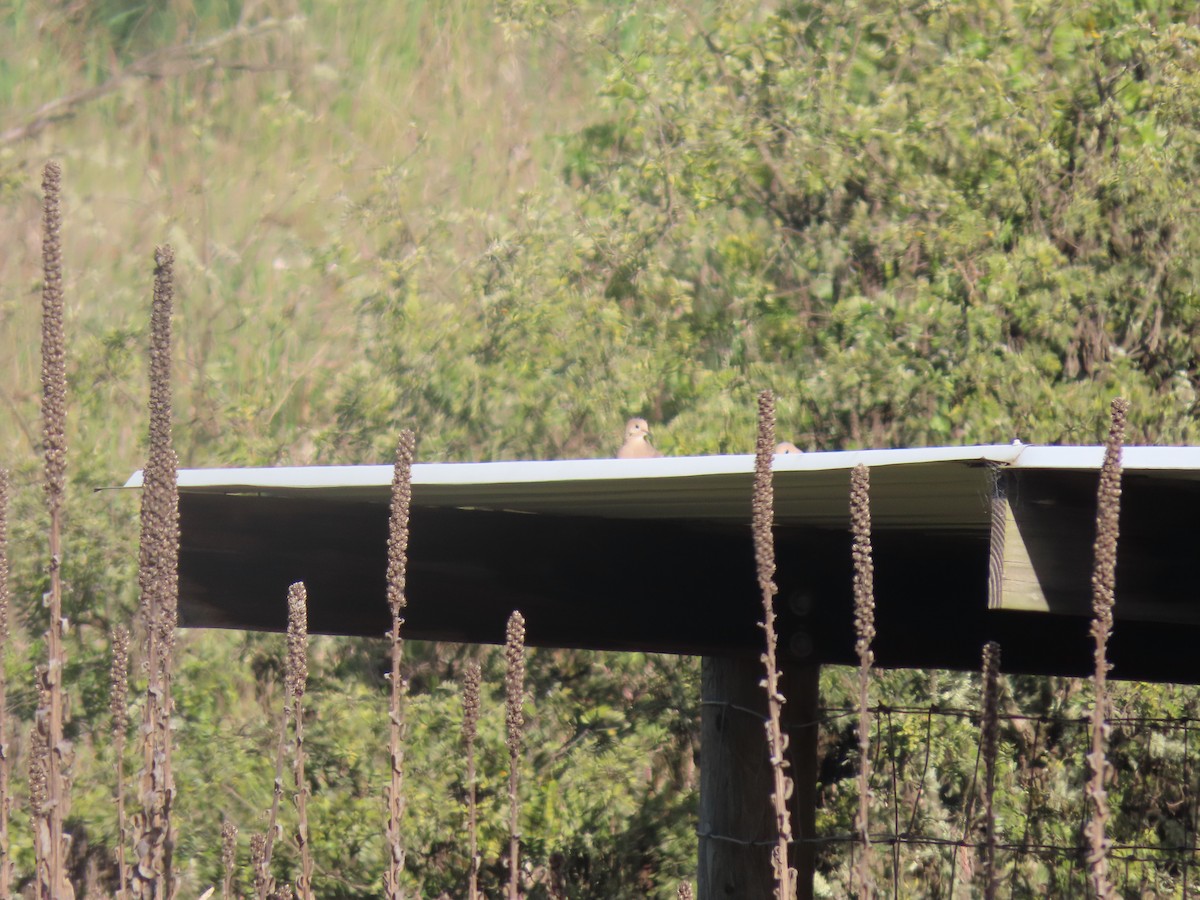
pixel 1041 850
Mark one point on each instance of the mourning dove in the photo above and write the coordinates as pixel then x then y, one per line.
pixel 637 444
pixel 787 447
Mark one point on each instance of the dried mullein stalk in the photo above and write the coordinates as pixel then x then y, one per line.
pixel 297 683
pixel 258 861
pixel 6 865
pixel 397 576
pixel 1104 577
pixel 685 890
pixel 158 580
pixel 295 679
pixel 989 737
pixel 54 446
pixel 229 834
pixel 864 629
pixel 470 701
pixel 514 690
pixel 118 684
pixel 764 558
pixel 39 793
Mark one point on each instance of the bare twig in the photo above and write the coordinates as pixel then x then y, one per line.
pixel 397 576
pixel 1104 578
pixel 764 557
pixel 864 628
pixel 514 689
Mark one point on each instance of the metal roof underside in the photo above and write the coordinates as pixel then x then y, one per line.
pixel 971 543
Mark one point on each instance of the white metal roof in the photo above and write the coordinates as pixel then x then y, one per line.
pixel 918 487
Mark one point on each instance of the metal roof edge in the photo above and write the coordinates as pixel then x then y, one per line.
pixel 542 471
pixel 1019 456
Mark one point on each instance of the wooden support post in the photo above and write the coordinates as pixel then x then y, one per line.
pixel 736 831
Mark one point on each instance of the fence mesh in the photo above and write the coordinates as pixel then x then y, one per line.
pixel 929 788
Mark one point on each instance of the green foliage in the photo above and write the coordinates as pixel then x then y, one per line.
pixel 917 223
pixel 936 225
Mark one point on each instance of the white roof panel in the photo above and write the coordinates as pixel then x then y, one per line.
pixel 924 487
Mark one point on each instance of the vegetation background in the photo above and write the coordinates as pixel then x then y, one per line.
pixel 514 224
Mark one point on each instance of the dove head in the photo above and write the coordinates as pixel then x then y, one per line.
pixel 635 427
pixel 787 447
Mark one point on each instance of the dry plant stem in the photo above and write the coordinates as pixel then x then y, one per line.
pixel 990 733
pixel 764 558
pixel 471 681
pixel 268 847
pixel 397 574
pixel 228 858
pixel 1104 578
pixel 54 444
pixel 685 890
pixel 6 865
pixel 258 859
pixel 119 712
pixel 514 691
pixel 297 679
pixel 39 791
pixel 864 629
pixel 158 580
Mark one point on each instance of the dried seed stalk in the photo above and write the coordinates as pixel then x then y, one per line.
pixel 989 736
pixel 118 684
pixel 297 681
pixel 864 629
pixel 291 673
pixel 54 445
pixel 6 864
pixel 259 862
pixel 764 558
pixel 158 580
pixel 514 690
pixel 228 858
pixel 1104 578
pixel 685 890
pixel 39 791
pixel 397 577
pixel 470 701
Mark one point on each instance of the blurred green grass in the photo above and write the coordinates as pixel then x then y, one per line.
pixel 263 162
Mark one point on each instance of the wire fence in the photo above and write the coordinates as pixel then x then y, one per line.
pixel 929 832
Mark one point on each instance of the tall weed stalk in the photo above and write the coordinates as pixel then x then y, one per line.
pixel 514 689
pixel 1104 579
pixel 50 837
pixel 397 575
pixel 297 682
pixel 764 558
pixel 470 701
pixel 864 629
pixel 118 683
pixel 6 864
pixel 158 580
